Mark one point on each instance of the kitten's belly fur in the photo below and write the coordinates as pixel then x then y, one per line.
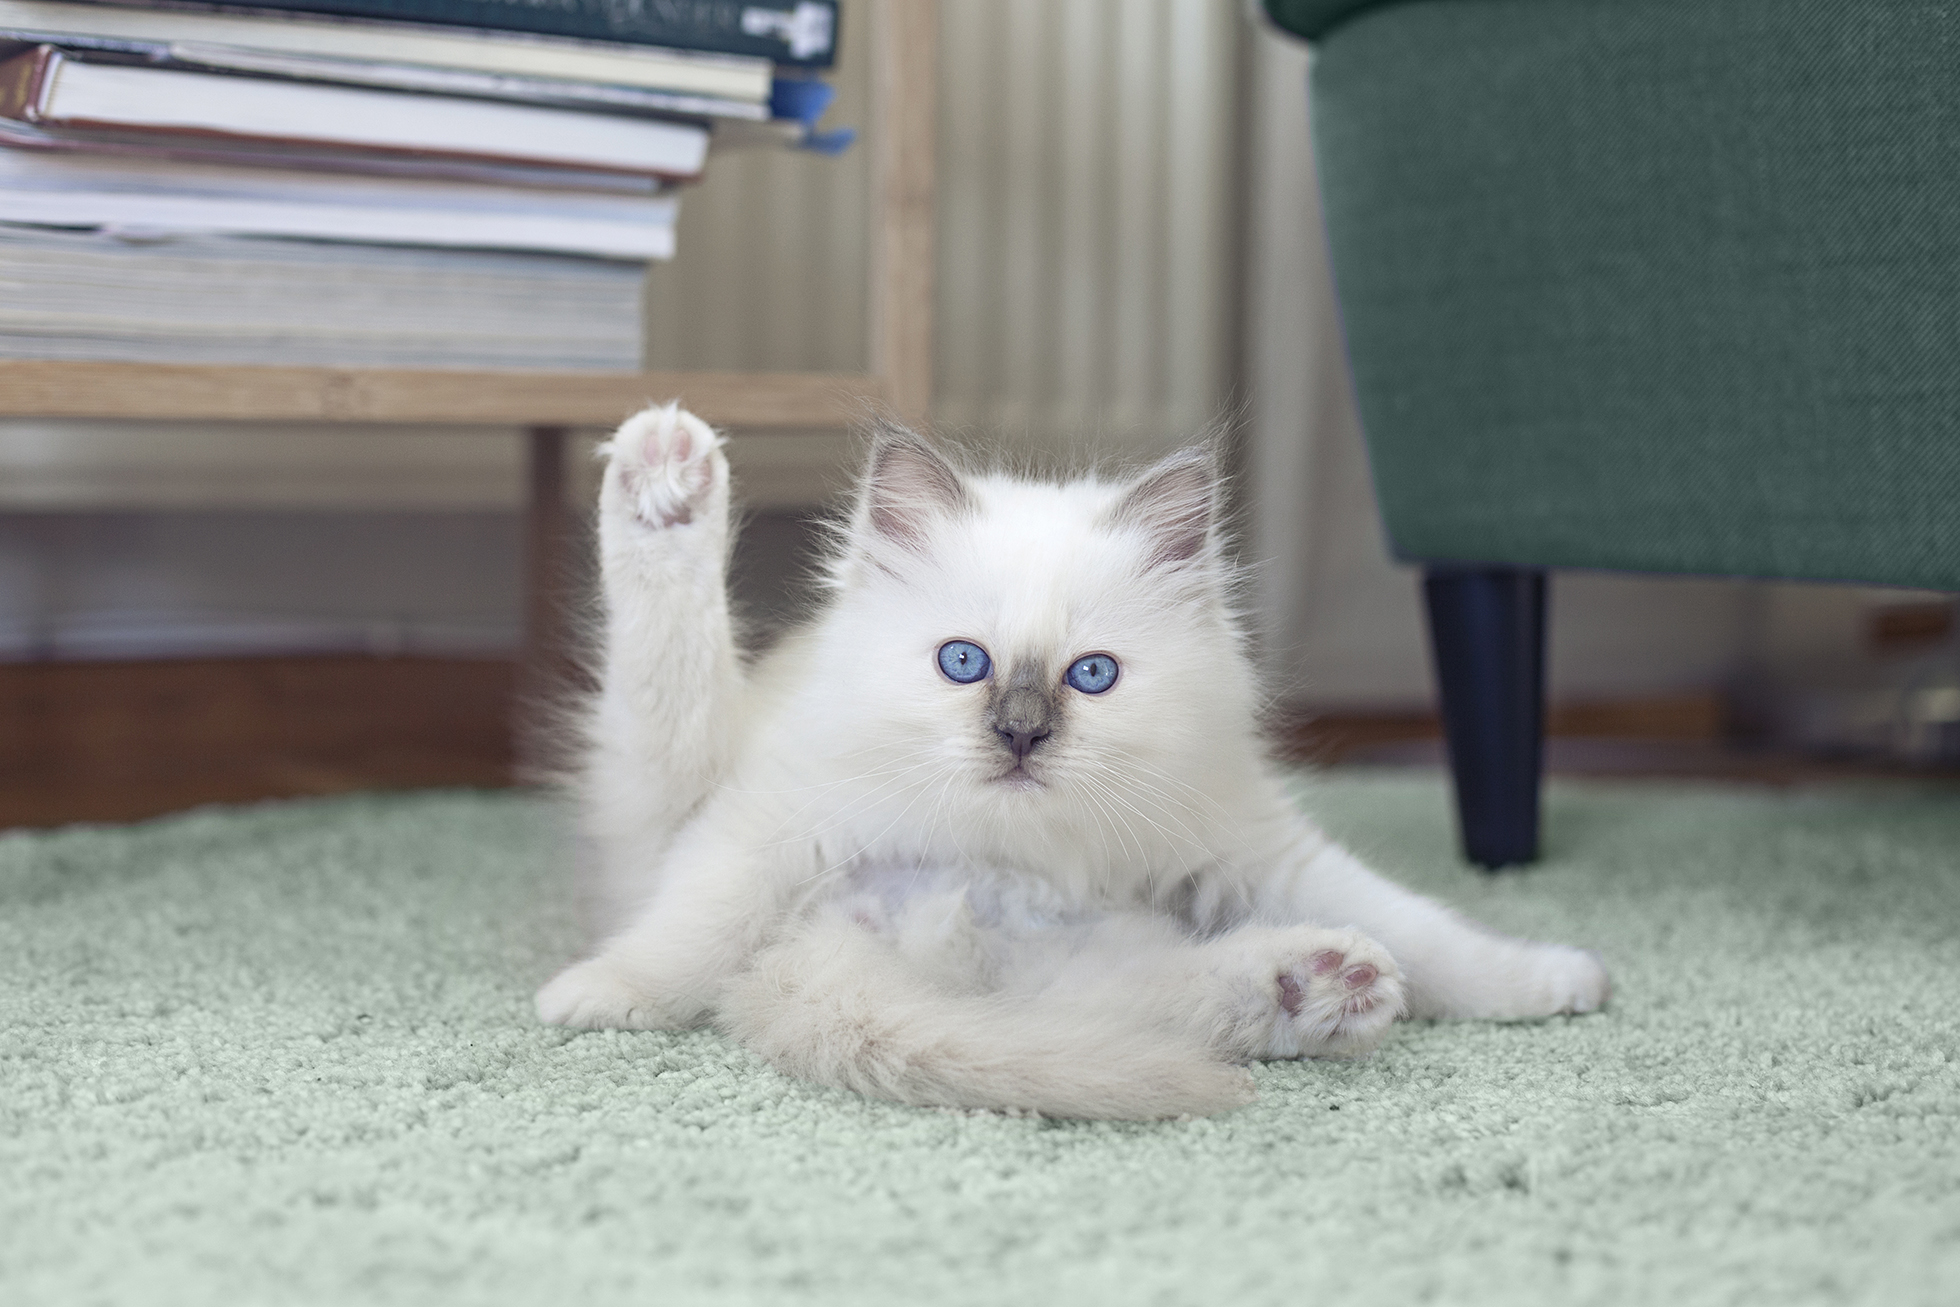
pixel 886 893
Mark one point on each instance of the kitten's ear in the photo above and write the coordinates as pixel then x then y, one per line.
pixel 1175 504
pixel 907 486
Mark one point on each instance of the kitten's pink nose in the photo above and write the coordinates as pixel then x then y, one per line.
pixel 1021 742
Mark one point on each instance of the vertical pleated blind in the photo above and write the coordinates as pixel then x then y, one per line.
pixel 1085 205
pixel 772 249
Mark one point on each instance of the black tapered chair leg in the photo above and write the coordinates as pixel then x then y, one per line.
pixel 1487 633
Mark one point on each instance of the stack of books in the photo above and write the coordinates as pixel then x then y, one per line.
pixel 411 183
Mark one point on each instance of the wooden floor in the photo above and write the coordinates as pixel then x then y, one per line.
pixel 1669 720
pixel 1675 736
pixel 122 741
pixel 102 741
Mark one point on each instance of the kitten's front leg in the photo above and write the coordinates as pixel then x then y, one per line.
pixel 718 902
pixel 669 706
pixel 1452 966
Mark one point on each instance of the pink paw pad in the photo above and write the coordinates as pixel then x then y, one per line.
pixel 1327 962
pixel 1337 992
pixel 664 466
pixel 1291 996
pixel 1330 968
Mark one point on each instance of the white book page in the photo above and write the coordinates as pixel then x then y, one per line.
pixel 244 106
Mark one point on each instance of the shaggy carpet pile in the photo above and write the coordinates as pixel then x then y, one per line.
pixel 284 1054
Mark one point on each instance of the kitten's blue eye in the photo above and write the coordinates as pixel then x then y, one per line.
pixel 1092 673
pixel 964 661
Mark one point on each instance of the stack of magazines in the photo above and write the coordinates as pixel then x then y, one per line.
pixel 407 183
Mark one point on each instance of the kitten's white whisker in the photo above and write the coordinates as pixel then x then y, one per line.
pixel 1218 810
pixel 866 846
pixel 1224 824
pixel 1114 792
pixel 844 817
pixel 1102 799
pixel 892 767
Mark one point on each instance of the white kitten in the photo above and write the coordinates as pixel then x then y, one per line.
pixel 996 828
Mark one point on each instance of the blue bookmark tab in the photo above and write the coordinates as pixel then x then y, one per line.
pixel 804 100
pixel 832 142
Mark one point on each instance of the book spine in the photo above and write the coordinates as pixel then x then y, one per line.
pixel 515 88
pixel 24 82
pixel 802 33
pixel 15 135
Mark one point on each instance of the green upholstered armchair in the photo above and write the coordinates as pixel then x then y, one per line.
pixel 1648 285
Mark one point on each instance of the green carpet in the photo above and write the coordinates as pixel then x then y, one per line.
pixel 285 1054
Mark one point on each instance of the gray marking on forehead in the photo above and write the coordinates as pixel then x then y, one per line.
pixel 1028 673
pixel 1027 676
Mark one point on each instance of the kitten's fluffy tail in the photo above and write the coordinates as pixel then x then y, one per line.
pixel 834 1006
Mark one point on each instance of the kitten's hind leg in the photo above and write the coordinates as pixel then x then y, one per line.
pixel 1451 967
pixel 1302 991
pixel 662 724
pixel 1252 994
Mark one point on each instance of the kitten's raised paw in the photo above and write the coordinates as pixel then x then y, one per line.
pixel 596 995
pixel 664 466
pixel 1338 992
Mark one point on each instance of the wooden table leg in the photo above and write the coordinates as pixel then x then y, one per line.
pixel 545 673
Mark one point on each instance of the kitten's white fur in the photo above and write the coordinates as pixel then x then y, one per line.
pixel 837 857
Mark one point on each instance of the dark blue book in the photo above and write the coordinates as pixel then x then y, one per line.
pixel 797 32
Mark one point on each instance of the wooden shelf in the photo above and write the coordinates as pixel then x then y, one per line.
pixel 903 75
pixel 571 399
